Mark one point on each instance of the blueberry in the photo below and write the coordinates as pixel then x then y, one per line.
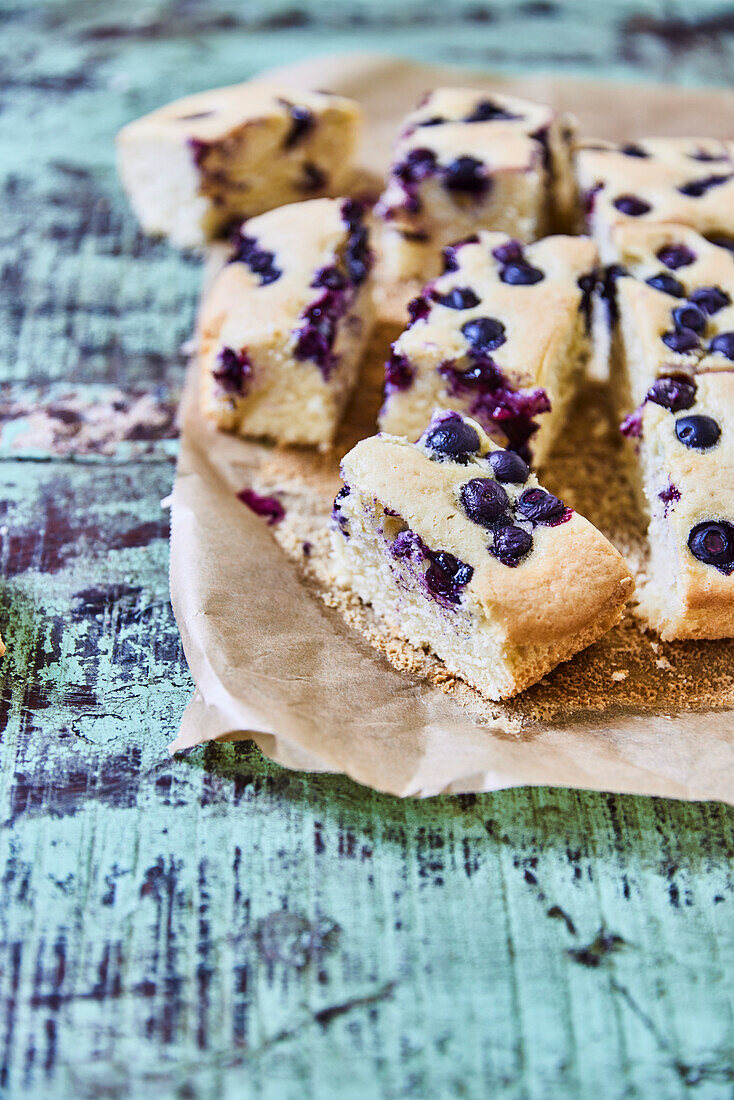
pixel 681 340
pixel 484 334
pixel 697 432
pixel 460 297
pixel 672 392
pixel 466 174
pixel 675 256
pixel 696 188
pixel 508 253
pixel 667 284
pixel 722 242
pixel 723 344
pixel 484 500
pixel 710 299
pixel 453 438
pixel 418 164
pixel 706 157
pixel 508 467
pixel 418 310
pixel 259 261
pixel 689 317
pixel 510 544
pixel 540 506
pixel 330 277
pixel 521 274
pixel 437 120
pixel 631 205
pixel 632 150
pixel 399 373
pixel 487 111
pixel 446 575
pixel 609 289
pixel 314 178
pixel 713 544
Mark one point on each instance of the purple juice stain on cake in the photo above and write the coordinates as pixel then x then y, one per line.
pixel 302 122
pixel 448 436
pixel 723 344
pixel 672 391
pixel 670 496
pixel 674 256
pixel 459 297
pixel 247 251
pixel 695 189
pixel 418 310
pixel 511 544
pixel 698 432
pixel 466 176
pixel 448 255
pixel 399 373
pixel 269 508
pixel 667 284
pixel 631 426
pixel 233 371
pixel 587 284
pixel 712 542
pixel 495 404
pixel 488 111
pixel 446 576
pixel 710 299
pixel 631 205
pixel 540 506
pixel 337 516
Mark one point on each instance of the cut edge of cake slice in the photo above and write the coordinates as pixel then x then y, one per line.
pixel 455 546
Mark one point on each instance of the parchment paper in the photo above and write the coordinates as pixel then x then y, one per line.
pixel 278 657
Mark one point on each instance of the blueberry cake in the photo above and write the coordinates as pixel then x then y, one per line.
pixel 689 181
pixel 672 293
pixel 456 547
pixel 199 165
pixel 284 325
pixel 502 335
pixel 684 436
pixel 466 160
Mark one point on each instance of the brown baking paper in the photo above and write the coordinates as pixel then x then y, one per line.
pixel 279 657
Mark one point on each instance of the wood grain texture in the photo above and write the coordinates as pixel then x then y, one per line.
pixel 214 926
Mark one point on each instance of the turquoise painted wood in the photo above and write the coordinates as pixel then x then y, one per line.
pixel 215 926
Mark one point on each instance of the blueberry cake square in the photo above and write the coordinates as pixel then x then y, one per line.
pixel 689 181
pixel 466 160
pixel 672 295
pixel 284 325
pixel 502 335
pixel 685 453
pixel 199 165
pixel 457 547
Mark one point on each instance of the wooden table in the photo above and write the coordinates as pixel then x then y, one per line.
pixel 215 926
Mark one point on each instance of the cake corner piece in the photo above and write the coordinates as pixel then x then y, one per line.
pixel 456 546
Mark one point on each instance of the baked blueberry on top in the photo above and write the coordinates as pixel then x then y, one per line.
pixel 197 166
pixel 283 327
pixel 464 162
pixel 468 344
pixel 448 559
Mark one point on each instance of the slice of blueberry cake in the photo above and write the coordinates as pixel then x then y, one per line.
pixel 284 325
pixel 502 335
pixel 685 451
pixel 466 160
pixel 456 546
pixel 195 167
pixel 672 294
pixel 689 181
